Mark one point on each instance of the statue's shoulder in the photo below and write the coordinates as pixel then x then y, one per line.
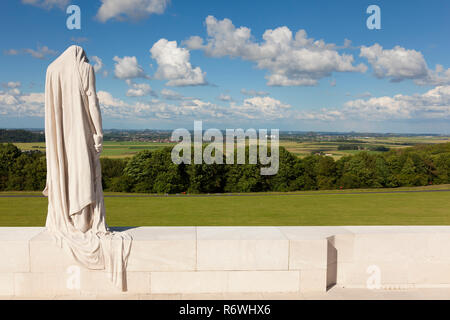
pixel 86 65
pixel 52 66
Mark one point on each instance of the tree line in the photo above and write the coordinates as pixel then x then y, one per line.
pixel 154 172
pixel 363 147
pixel 20 135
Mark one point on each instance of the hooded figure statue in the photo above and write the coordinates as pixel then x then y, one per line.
pixel 74 137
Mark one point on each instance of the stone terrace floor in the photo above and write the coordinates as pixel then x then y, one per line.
pixel 335 293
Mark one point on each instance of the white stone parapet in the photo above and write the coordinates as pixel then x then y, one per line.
pixel 183 260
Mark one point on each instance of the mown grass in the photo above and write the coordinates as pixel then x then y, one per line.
pixel 305 208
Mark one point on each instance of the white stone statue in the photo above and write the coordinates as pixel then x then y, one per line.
pixel 74 137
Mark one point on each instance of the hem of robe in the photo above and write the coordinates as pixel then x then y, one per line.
pixel 116 273
pixel 81 207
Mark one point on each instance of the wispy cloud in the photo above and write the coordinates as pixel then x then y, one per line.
pixel 41 52
pixel 225 97
pixel 48 4
pixel 139 89
pixel 253 93
pixel 79 39
pixel 122 10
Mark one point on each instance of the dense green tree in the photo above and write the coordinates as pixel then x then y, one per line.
pixel 154 171
pixel 206 178
pixel 309 167
pixel 442 163
pixel 244 178
pixel 359 170
pixel 121 183
pixel 8 155
pixel 111 170
pixel 298 172
pixel 284 180
pixel 28 172
pixel 381 176
pixel 326 173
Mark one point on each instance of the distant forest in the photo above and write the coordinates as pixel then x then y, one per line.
pixel 154 172
pixel 20 135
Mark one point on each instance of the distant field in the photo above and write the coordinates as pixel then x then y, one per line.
pixel 363 207
pixel 111 149
pixel 301 149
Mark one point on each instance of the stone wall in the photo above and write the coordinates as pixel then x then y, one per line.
pixel 165 260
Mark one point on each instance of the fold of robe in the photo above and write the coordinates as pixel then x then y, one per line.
pixel 74 180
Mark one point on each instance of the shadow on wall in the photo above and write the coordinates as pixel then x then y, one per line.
pixel 331 264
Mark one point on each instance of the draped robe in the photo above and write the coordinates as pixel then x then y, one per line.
pixel 73 135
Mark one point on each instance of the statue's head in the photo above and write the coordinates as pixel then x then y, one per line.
pixel 77 52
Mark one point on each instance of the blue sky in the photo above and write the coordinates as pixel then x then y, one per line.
pixel 238 63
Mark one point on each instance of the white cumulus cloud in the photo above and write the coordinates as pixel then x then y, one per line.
pixel 183 108
pixel 14 103
pixel 399 64
pixel 433 104
pixel 128 68
pixel 291 60
pixel 174 65
pixel 261 108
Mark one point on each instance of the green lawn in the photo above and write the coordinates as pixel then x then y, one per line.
pixel 307 208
